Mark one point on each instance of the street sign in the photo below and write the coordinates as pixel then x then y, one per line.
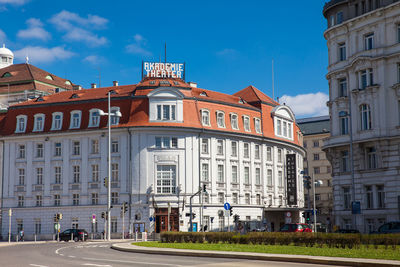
pixel 227 206
pixel 227 213
pixel 288 220
pixel 57 226
pixel 93 216
pixel 288 214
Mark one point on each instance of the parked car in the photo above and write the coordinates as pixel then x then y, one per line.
pixel 295 227
pixel 74 234
pixel 388 228
pixel 347 231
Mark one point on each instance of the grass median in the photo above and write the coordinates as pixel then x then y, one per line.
pixel 362 252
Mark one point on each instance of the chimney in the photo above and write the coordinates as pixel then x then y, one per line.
pixel 77 87
pixel 115 83
pixel 193 84
pixel 93 85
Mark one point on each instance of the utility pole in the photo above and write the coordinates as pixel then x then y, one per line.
pixel 9 224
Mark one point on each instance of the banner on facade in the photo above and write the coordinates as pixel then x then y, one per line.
pixel 291 178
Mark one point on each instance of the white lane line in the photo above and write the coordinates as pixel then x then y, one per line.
pixel 36 265
pixel 103 246
pixel 92 264
pixel 137 262
pixel 61 254
pixel 72 256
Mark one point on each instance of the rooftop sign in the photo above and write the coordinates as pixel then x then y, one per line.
pixel 163 70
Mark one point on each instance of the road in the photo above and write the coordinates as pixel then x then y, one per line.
pixel 99 254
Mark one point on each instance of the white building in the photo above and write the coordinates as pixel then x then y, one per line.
pixel 172 139
pixel 364 77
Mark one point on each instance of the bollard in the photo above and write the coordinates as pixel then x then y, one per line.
pixel 136 236
pixel 72 236
pixel 35 238
pixel 16 238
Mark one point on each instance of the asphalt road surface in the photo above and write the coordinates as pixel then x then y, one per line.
pixel 99 254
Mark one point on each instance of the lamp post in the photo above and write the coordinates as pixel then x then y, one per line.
pixel 319 182
pixel 117 114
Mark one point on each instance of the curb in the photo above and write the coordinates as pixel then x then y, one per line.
pixel 127 247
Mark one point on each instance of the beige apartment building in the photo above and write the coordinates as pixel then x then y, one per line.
pixel 316 164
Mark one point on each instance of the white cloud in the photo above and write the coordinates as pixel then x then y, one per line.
pixel 94 59
pixel 138 47
pixel 313 104
pixel 35 30
pixel 79 29
pixel 14 2
pixel 3 37
pixel 38 54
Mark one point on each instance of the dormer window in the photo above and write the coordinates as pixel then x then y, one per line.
pixel 114 119
pixel 257 125
pixel 49 77
pixel 21 124
pixel 221 119
pixel 205 117
pixel 5 75
pixel 68 83
pixel 94 119
pixel 166 112
pixel 246 123
pixel 75 119
pixel 165 105
pixel 39 123
pixel 203 94
pixel 57 121
pixel 283 122
pixel 74 96
pixel 234 121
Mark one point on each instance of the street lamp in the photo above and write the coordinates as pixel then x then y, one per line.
pixel 116 114
pixel 319 182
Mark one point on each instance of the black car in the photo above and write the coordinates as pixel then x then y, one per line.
pixel 74 234
pixel 388 228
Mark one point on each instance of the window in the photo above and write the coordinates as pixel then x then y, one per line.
pixel 57 121
pixel 205 117
pixel 234 149
pixel 369 197
pixel 39 150
pixel 257 151
pixel 369 41
pixel 398 33
pixel 332 20
pixel 316 156
pixel 343 87
pixel 57 149
pixel 220 173
pixel 344 158
pixel 269 177
pixel 94 146
pixel 235 198
pixel 305 144
pixel 166 179
pixel 57 200
pixel 39 175
pixel 381 196
pixel 247 198
pixel 280 159
pixel 344 122
pixel 371 158
pixel 38 227
pixel 21 201
pixel 398 71
pixel 114 198
pixel 246 150
pixel 39 122
pixel 316 143
pixel 258 199
pixel 204 146
pixel 339 17
pixel 204 172
pixel 280 178
pixel 114 146
pixel 234 174
pixel 114 117
pixel 234 122
pixel 95 198
pixel 114 172
pixel 21 151
pixel 328 170
pixel 21 176
pixel 75 119
pixel 57 175
pixel 220 119
pixel 95 173
pixel 76 171
pixel 279 127
pixel 21 124
pixel 166 112
pixel 39 200
pixel 317 197
pixel 246 175
pixel 365 117
pixel 76 148
pixel 94 118
pixel 75 199
pixel 269 153
pixel 284 128
pixel 258 176
pixel 114 225
pixel 166 142
pixel 246 123
pixel 257 125
pixel 317 170
pixel 221 198
pixel 220 147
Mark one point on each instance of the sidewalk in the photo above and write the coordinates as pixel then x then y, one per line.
pixel 128 247
pixel 13 243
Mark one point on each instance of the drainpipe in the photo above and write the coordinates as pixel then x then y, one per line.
pixel 2 187
pixel 130 179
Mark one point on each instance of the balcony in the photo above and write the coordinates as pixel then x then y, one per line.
pixel 56 187
pixel 75 186
pixel 20 188
pixel 37 187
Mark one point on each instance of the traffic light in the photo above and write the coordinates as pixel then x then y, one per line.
pixel 308 216
pixel 193 215
pixel 236 218
pixel 60 216
pixel 105 182
pixel 124 207
pixel 204 188
pixel 55 217
pixel 230 211
pixel 103 215
pixel 303 214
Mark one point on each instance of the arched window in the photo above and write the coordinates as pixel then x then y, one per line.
pixel 365 117
pixel 39 123
pixel 234 121
pixel 5 75
pixel 205 117
pixel 57 121
pixel 49 77
pixel 114 119
pixel 94 119
pixel 221 119
pixel 75 119
pixel 21 124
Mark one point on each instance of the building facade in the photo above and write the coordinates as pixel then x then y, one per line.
pixel 315 130
pixel 172 139
pixel 363 40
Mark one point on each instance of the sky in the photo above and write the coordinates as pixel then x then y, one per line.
pixel 226 44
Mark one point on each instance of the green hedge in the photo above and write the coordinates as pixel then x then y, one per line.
pixel 284 239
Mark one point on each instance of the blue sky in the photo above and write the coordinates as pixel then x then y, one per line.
pixel 227 45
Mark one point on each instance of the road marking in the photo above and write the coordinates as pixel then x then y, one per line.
pixel 92 264
pixel 37 265
pixel 103 246
pixel 137 262
pixel 72 256
pixel 61 254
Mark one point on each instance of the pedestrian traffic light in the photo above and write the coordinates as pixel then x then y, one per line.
pixel 230 211
pixel 105 182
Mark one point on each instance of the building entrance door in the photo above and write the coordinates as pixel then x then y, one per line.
pixel 161 215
